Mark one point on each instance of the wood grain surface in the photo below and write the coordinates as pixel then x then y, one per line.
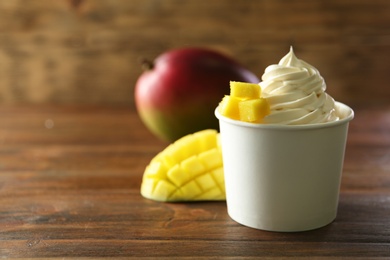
pixel 88 51
pixel 69 188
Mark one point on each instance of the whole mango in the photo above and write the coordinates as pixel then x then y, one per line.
pixel 177 95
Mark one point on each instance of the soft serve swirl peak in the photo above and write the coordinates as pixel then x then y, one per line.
pixel 295 91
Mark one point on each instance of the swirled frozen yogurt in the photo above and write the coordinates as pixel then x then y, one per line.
pixel 291 92
pixel 295 92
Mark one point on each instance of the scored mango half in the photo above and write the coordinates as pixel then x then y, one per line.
pixel 189 169
pixel 244 103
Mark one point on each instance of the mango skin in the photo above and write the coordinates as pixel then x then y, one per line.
pixel 179 94
pixel 171 124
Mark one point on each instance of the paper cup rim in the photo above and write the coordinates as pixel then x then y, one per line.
pixel 349 115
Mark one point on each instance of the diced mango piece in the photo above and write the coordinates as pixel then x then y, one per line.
pixel 179 195
pixel 188 146
pixel 244 103
pixel 155 170
pixel 207 139
pixel 193 166
pixel 253 110
pixel 191 189
pixel 178 176
pixel 189 169
pixel 229 107
pixel 167 161
pixel 211 158
pixel 218 176
pixel 212 194
pixel 244 90
pixel 148 186
pixel 163 189
pixel 166 156
pixel 205 181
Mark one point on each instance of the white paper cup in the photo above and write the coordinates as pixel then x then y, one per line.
pixel 283 178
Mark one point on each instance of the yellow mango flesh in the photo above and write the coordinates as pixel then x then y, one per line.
pixel 244 103
pixel 229 107
pixel 244 90
pixel 190 169
pixel 253 110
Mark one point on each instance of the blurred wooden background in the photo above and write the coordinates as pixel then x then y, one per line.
pixel 87 51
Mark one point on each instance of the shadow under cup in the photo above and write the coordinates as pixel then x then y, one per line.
pixel 280 177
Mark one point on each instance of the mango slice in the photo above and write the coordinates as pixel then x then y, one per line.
pixel 244 103
pixel 190 169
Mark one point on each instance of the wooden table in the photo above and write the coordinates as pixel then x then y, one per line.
pixel 69 187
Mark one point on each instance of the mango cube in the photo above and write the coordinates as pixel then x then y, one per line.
pixel 207 139
pixel 156 170
pixel 212 193
pixel 193 166
pixel 211 158
pixel 163 188
pixel 253 110
pixel 178 176
pixel 206 182
pixel 244 90
pixel 244 103
pixel 229 107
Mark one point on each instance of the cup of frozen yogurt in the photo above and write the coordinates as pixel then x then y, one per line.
pixel 283 172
